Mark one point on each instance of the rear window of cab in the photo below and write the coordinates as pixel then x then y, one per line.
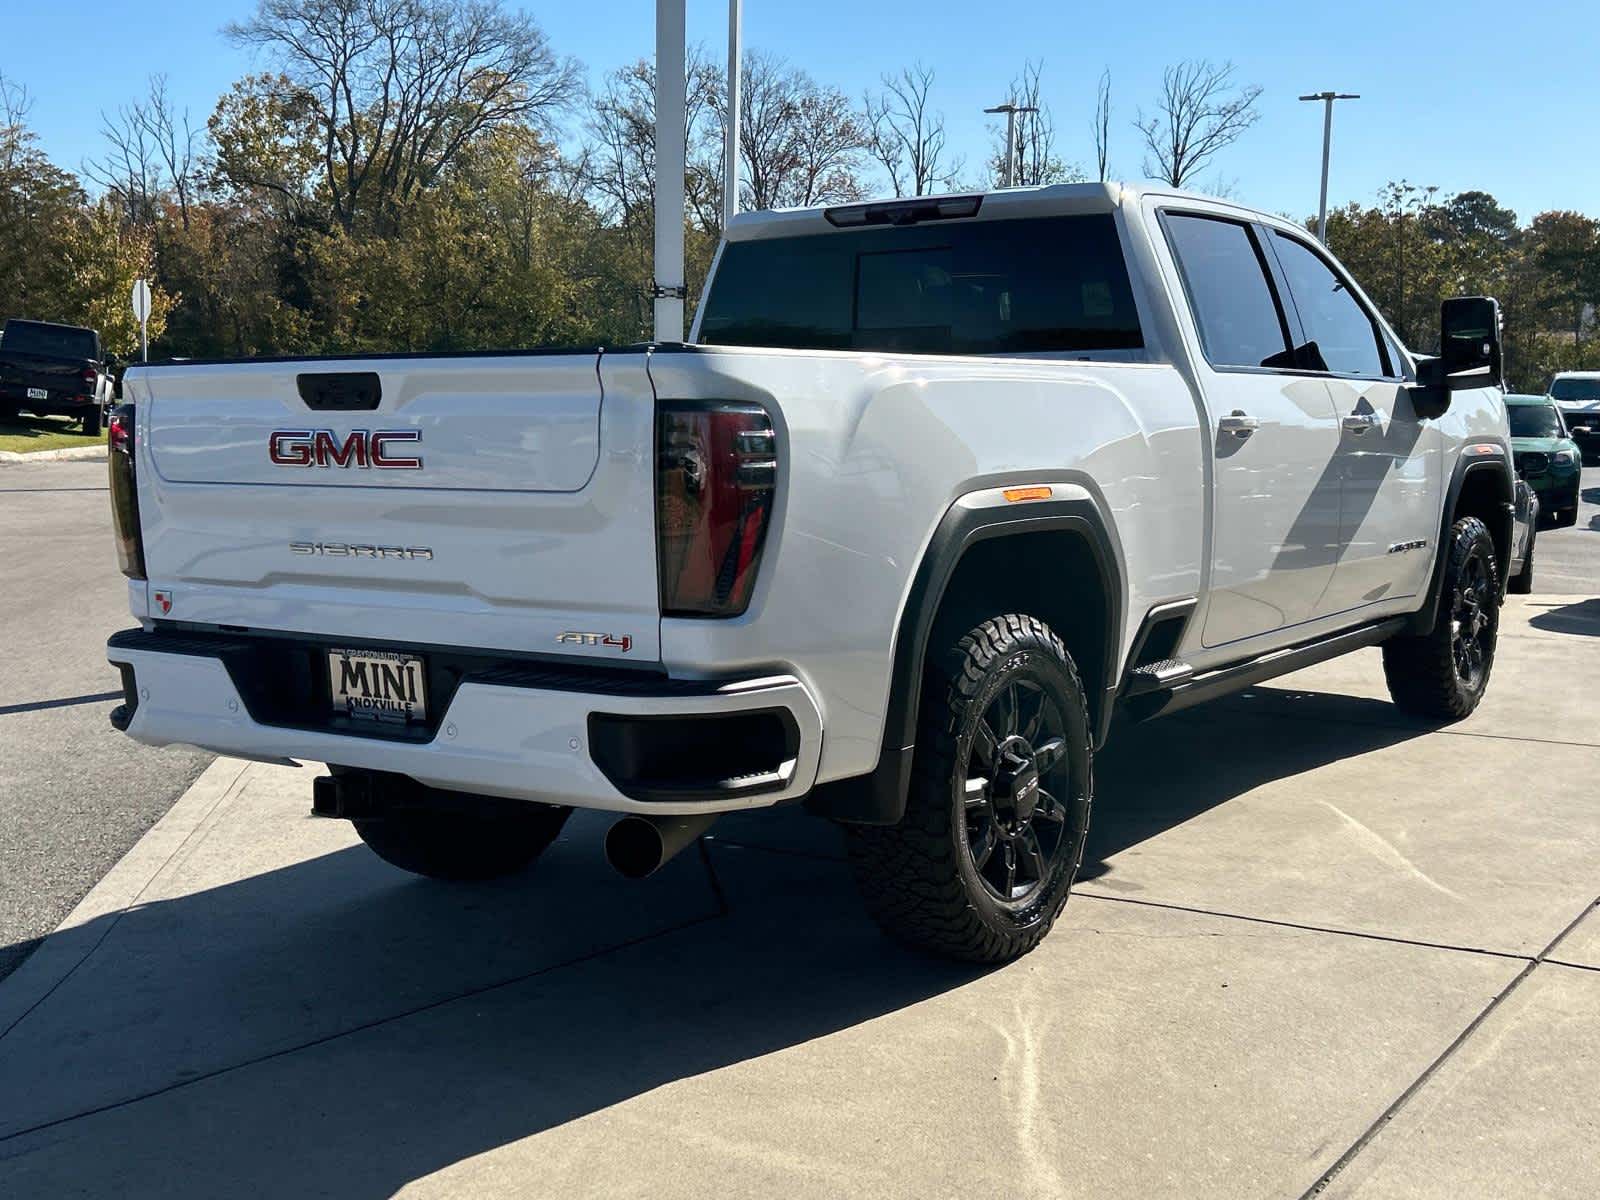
pixel 1033 285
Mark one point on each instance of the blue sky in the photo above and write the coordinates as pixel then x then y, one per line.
pixel 1474 101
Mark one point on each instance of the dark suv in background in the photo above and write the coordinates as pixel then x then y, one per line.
pixel 1546 456
pixel 53 370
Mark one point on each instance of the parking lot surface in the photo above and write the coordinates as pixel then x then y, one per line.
pixel 1317 949
pixel 74 793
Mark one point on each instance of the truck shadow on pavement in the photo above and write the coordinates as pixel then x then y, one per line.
pixel 1580 617
pixel 335 1027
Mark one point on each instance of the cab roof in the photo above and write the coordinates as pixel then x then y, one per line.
pixel 1049 200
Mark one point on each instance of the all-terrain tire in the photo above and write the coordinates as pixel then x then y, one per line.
pixel 1443 675
pixel 922 879
pixel 462 846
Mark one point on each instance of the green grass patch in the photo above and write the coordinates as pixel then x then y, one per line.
pixel 27 434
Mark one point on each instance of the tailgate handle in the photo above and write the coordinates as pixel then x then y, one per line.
pixel 340 391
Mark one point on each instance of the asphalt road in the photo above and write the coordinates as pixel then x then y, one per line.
pixel 1567 561
pixel 74 793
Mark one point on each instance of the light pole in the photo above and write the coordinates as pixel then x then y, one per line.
pixel 1327 99
pixel 1008 174
pixel 730 166
pixel 671 85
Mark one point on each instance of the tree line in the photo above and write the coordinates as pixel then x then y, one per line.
pixel 435 175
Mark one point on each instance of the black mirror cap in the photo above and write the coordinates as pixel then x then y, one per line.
pixel 1469 342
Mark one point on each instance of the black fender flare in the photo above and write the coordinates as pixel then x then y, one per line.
pixel 1422 621
pixel 879 797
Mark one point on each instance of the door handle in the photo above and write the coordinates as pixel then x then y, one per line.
pixel 1238 424
pixel 1361 422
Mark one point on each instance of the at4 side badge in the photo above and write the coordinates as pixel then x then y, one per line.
pixel 623 642
pixel 163 601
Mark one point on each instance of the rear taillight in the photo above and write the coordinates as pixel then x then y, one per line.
pixel 90 380
pixel 716 472
pixel 124 492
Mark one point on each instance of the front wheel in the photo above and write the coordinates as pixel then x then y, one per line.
pixel 998 806
pixel 91 423
pixel 1443 675
pixel 1567 518
pixel 463 845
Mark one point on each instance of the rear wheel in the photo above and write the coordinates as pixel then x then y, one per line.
pixel 1444 674
pixel 444 844
pixel 998 807
pixel 91 422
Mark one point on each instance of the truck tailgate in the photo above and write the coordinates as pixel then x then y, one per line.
pixel 500 502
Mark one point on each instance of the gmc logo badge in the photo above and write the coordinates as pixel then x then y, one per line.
pixel 323 448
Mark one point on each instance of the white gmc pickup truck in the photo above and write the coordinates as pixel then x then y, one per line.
pixel 938 490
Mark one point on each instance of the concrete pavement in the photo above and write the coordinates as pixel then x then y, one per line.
pixel 1316 948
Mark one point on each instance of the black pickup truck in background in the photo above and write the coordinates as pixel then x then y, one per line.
pixel 48 369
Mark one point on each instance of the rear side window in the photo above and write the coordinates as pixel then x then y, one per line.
pixel 1234 304
pixel 947 287
pixel 1330 315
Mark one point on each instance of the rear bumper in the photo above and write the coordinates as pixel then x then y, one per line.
pixel 569 737
pixel 58 403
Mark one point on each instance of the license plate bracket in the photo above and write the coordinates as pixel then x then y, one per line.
pixel 386 687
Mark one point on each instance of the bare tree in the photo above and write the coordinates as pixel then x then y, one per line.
pixel 906 137
pixel 620 157
pixel 1102 126
pixel 150 155
pixel 15 103
pixel 1036 137
pixel 799 141
pixel 398 87
pixel 1198 114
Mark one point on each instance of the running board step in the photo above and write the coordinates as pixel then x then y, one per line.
pixel 1157 677
pixel 1194 689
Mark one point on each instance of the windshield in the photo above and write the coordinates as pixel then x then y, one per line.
pixel 988 287
pixel 47 341
pixel 1534 421
pixel 1576 389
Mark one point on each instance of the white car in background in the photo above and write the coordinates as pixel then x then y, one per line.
pixel 1577 395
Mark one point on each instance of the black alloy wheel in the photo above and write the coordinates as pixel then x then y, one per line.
pixel 1015 828
pixel 1471 620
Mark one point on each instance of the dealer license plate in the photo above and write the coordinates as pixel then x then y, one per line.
pixel 378 685
pixel 38 394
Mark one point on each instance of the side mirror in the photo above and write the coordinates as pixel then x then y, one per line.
pixel 1469 354
pixel 1469 342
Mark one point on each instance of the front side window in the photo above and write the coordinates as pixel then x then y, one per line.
pixel 1345 335
pixel 945 287
pixel 1234 306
